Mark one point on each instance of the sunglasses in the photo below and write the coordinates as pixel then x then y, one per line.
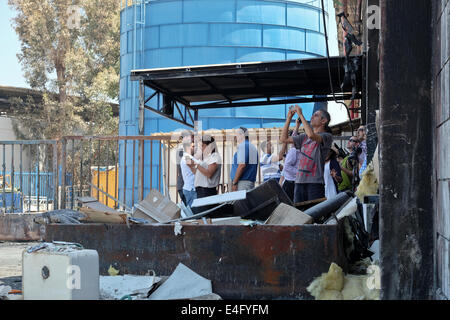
pixel 351 140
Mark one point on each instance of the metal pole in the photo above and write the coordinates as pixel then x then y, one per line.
pixel 55 177
pixel 98 170
pixel 47 174
pixel 21 179
pixel 151 165
pixel 141 170
pixel 38 177
pixel 80 191
pixel 107 170
pixel 73 175
pixel 30 169
pixel 116 173
pixel 125 173
pixel 134 164
pixel 4 178
pixel 13 193
pixel 63 173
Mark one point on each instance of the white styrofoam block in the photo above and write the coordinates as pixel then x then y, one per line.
pixel 64 275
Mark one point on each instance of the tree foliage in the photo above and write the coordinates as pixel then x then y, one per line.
pixel 72 56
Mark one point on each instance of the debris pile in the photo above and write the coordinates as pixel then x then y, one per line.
pixel 182 284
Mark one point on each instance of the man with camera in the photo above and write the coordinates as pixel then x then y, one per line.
pixel 350 165
pixel 314 146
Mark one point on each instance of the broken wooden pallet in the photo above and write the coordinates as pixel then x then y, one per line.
pixel 98 212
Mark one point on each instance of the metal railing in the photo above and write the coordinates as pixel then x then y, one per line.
pixel 41 154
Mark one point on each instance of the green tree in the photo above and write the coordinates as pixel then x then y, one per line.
pixel 70 51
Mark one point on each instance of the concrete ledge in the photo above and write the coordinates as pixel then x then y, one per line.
pixel 20 227
pixel 259 262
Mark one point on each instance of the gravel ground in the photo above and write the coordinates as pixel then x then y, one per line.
pixel 11 263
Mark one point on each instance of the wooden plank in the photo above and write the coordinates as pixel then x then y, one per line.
pixel 99 216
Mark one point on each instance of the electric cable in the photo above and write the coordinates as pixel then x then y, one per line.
pixel 329 69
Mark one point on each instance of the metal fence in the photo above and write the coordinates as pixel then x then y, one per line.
pixel 16 185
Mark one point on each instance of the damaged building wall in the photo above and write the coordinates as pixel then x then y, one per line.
pixel 406 148
pixel 441 95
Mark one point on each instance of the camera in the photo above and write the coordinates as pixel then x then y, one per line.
pixel 355 154
pixel 341 152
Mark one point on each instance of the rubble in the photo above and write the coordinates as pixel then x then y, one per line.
pixel 117 287
pixel 99 213
pixel 64 216
pixel 182 284
pixel 156 208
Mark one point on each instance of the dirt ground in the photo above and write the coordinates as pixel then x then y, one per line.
pixel 11 263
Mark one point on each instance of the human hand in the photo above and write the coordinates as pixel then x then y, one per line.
pixel 291 112
pixel 234 188
pixel 299 110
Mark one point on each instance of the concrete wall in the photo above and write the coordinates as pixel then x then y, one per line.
pixel 7 134
pixel 441 97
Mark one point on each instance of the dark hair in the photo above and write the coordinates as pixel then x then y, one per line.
pixel 208 140
pixel 327 116
pixel 245 131
pixel 332 154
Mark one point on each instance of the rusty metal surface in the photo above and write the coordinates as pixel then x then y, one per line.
pixel 20 227
pixel 259 262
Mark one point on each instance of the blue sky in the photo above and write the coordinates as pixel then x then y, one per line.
pixel 11 73
pixel 10 69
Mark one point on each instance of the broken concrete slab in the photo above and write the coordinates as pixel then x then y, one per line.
pixel 116 287
pixel 182 284
pixel 156 208
pixel 286 215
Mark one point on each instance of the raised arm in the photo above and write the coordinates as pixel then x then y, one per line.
pixel 308 129
pixel 284 133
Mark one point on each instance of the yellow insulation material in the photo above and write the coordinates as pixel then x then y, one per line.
pixel 368 185
pixel 335 285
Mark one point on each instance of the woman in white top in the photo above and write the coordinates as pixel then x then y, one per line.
pixel 269 162
pixel 207 171
pixel 332 174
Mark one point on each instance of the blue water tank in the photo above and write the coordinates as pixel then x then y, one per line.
pixel 171 33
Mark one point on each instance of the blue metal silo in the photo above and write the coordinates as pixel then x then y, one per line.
pixel 170 33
